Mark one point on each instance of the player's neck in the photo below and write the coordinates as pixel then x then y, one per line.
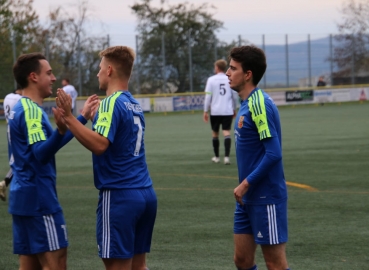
pixel 116 86
pixel 246 91
pixel 33 95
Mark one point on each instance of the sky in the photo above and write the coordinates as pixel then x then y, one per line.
pixel 245 18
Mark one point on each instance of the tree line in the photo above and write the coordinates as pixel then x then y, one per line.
pixel 177 44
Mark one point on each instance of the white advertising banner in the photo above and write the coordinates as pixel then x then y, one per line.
pixel 279 98
pixel 145 104
pixel 359 94
pixel 340 95
pixel 323 96
pixel 162 104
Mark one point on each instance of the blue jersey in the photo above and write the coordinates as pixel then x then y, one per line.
pixel 123 165
pixel 258 149
pixel 33 188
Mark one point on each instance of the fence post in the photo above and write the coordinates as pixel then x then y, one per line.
pixel 264 79
pixel 331 55
pixel 47 49
pixel 190 59
pixel 163 59
pixel 309 61
pixel 287 67
pixel 14 52
pixel 79 65
pixel 138 66
pixel 353 81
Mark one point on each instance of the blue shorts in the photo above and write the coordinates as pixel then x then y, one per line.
pixel 33 235
pixel 267 223
pixel 125 222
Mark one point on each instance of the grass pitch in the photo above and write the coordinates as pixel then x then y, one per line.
pixel 325 153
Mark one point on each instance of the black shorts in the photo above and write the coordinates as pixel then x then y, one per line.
pixel 217 120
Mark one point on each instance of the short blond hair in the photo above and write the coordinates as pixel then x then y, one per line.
pixel 221 65
pixel 122 57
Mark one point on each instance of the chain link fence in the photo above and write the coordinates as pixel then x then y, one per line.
pixel 293 61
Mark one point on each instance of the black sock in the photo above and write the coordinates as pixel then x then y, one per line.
pixel 216 146
pixel 227 145
pixel 252 268
pixel 8 177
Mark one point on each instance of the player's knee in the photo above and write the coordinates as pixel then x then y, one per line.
pixel 242 262
pixel 271 265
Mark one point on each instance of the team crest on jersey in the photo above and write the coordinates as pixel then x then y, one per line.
pixel 240 122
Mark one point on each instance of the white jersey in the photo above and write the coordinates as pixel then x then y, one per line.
pixel 70 90
pixel 219 97
pixel 9 101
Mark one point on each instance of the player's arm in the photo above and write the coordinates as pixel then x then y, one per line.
pixel 44 150
pixel 273 154
pixel 88 111
pixel 69 135
pixel 90 139
pixel 207 101
pixel 265 125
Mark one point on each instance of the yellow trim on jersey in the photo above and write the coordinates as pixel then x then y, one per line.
pixel 33 118
pixel 258 113
pixel 105 118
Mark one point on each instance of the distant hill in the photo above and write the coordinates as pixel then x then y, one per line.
pixel 298 62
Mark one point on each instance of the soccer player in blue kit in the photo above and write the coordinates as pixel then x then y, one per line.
pixel 39 229
pixel 127 201
pixel 261 208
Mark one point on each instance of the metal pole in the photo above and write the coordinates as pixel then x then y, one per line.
pixel 215 49
pixel 163 59
pixel 239 41
pixel 309 60
pixel 353 60
pixel 190 59
pixel 138 66
pixel 265 76
pixel 47 50
pixel 287 67
pixel 108 40
pixel 14 53
pixel 79 65
pixel 331 55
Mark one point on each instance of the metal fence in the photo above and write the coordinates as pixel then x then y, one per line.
pixel 293 61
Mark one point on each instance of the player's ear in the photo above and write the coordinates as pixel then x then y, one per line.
pixel 247 76
pixel 32 77
pixel 110 70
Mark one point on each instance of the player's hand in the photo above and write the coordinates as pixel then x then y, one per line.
pixel 241 190
pixel 234 114
pixel 59 120
pixel 206 117
pixel 90 107
pixel 64 101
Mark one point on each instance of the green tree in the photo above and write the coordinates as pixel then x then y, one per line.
pixel 183 25
pixel 18 34
pixel 351 52
pixel 72 48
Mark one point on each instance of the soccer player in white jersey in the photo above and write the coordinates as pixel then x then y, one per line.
pixel 221 100
pixel 70 90
pixel 9 101
pixel 127 204
pixel 260 217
